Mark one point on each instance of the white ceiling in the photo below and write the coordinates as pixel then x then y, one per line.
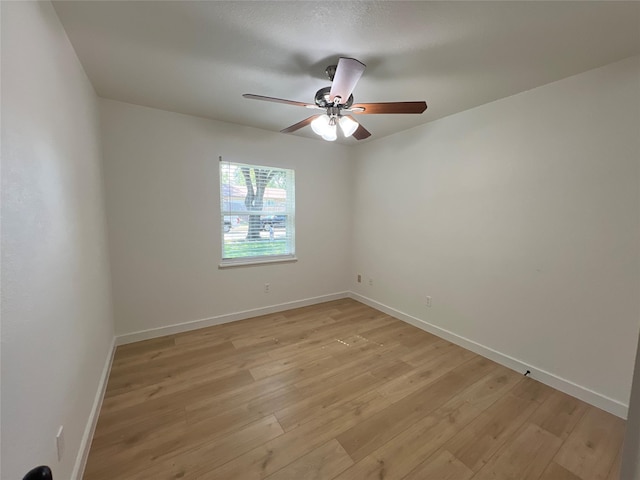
pixel 199 57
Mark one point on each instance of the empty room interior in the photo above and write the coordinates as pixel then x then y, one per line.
pixel 320 240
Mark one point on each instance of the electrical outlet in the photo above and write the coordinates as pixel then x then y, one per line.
pixel 371 282
pixel 267 288
pixel 359 278
pixel 428 301
pixel 60 442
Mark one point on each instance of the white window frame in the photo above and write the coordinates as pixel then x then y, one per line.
pixel 289 211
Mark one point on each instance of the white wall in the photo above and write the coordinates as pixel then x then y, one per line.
pixel 163 205
pixel 631 449
pixel 521 219
pixel 57 324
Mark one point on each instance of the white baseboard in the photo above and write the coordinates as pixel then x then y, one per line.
pixel 220 319
pixel 87 437
pixel 594 398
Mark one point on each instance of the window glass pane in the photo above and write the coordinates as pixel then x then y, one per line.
pixel 257 211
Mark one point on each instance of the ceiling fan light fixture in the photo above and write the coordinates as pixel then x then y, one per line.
pixel 320 124
pixel 348 125
pixel 330 134
pixel 331 101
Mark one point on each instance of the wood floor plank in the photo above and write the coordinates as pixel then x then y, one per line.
pixel 272 367
pixel 326 461
pixel 523 458
pixel 368 435
pixel 168 441
pixel 590 450
pixel 390 369
pixel 296 414
pixel 327 339
pixel 614 472
pixel 280 452
pixel 196 460
pixel 277 335
pixel 186 385
pixel 311 392
pixel 531 389
pixel 352 362
pixel 171 368
pixel 119 424
pixel 230 398
pixel 559 414
pixel 556 472
pixel 133 350
pixel 134 452
pixel 428 350
pixel 410 448
pixel 337 391
pixel 486 434
pixel 442 362
pixel 443 466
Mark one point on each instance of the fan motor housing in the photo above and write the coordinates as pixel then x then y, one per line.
pixel 322 99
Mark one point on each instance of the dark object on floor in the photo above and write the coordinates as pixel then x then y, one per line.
pixel 39 473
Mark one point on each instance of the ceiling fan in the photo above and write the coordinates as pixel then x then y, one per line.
pixel 337 103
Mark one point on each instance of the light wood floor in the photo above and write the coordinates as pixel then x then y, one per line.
pixel 337 391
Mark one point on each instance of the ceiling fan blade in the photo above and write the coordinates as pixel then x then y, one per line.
pixel 348 72
pixel 389 107
pixel 300 124
pixel 276 100
pixel 361 133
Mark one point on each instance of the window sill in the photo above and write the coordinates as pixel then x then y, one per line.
pixel 249 262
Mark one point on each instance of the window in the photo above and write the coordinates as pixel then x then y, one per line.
pixel 257 214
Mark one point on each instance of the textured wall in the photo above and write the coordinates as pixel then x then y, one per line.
pixel 57 323
pixel 163 208
pixel 521 219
